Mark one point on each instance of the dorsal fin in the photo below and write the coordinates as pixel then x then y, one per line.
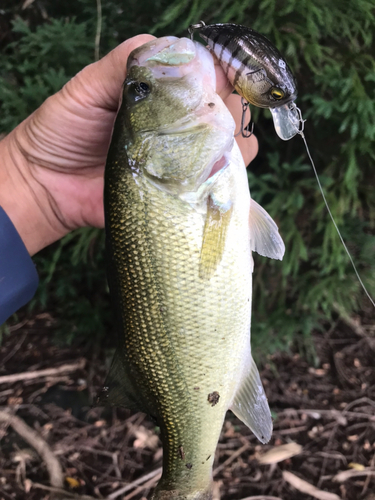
pixel 251 406
pixel 264 234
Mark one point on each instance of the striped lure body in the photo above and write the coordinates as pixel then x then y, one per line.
pixel 257 71
pixel 252 63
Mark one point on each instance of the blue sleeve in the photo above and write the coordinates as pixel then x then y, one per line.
pixel 18 276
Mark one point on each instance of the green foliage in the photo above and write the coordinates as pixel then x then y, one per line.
pixel 330 47
pixel 73 284
pixel 38 63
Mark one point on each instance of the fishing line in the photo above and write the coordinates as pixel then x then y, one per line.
pixel 287 117
pixel 333 220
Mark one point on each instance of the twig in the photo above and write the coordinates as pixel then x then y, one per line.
pixel 352 323
pixel 340 416
pixel 280 453
pixel 261 497
pixel 39 444
pixel 144 486
pixel 135 483
pixel 305 487
pixel 368 478
pixel 347 474
pixel 48 372
pixel 230 459
pixel 67 495
pixel 15 349
pixel 287 432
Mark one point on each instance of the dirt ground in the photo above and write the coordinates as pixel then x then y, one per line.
pixel 53 439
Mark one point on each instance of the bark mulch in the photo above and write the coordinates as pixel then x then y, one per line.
pixel 52 438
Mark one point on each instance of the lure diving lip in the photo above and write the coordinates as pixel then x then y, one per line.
pixel 257 70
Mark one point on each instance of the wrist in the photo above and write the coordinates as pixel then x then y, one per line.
pixel 24 199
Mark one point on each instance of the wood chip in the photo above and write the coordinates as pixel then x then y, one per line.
pixel 347 474
pixel 280 453
pixel 309 489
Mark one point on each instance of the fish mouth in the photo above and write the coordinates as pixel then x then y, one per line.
pixel 218 165
pixel 171 57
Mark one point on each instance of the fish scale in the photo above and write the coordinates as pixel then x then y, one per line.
pixel 180 264
pixel 182 297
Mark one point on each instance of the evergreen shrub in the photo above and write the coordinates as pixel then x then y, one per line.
pixel 330 47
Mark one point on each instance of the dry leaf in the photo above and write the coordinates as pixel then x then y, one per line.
pixel 309 489
pixel 27 484
pixel 73 483
pixel 145 437
pixel 352 438
pixel 100 423
pixel 354 465
pixel 280 453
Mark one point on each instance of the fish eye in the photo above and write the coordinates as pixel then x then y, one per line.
pixel 143 88
pixel 277 93
pixel 137 91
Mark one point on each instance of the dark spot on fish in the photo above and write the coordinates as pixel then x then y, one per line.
pixel 189 466
pixel 211 104
pixel 181 452
pixel 213 398
pixel 209 456
pixel 196 388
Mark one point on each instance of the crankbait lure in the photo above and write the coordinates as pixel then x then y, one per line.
pixel 257 71
pixel 261 76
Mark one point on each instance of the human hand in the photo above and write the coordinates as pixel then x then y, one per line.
pixel 52 169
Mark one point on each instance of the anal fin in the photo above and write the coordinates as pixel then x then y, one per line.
pixel 251 406
pixel 214 236
pixel 118 389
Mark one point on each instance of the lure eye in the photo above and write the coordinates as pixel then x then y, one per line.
pixel 277 93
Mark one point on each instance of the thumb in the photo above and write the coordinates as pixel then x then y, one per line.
pixel 99 84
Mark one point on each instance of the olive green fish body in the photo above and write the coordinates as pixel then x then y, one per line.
pixel 180 266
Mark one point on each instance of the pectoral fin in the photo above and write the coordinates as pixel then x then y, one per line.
pixel 214 236
pixel 264 234
pixel 118 389
pixel 251 406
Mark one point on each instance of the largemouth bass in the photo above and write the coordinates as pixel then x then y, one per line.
pixel 180 229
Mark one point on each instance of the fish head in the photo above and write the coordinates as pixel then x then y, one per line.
pixel 176 128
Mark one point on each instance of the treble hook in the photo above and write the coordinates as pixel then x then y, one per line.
pixel 193 27
pixel 245 128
